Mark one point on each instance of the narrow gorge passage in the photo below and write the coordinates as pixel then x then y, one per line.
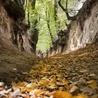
pixel 48 51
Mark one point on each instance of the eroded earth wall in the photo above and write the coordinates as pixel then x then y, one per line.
pixel 84 30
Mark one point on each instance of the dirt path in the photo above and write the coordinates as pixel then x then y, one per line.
pixel 60 76
pixel 76 72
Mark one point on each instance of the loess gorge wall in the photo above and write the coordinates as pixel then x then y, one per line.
pixel 13 30
pixel 12 60
pixel 84 30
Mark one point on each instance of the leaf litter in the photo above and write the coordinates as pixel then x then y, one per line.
pixel 72 75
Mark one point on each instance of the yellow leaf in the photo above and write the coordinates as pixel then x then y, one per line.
pixel 92 84
pixel 52 84
pixel 62 94
pixel 91 81
pixel 22 89
pixel 44 82
pixel 53 78
pixel 38 91
pixel 21 84
pixel 14 85
pixel 29 89
pixel 32 71
pixel 80 96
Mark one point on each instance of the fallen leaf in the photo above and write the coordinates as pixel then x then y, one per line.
pixel 36 92
pixel 21 84
pixel 1 84
pixel 32 71
pixel 73 89
pixel 62 94
pixel 44 82
pixel 26 96
pixel 80 96
pixel 92 75
pixel 1 88
pixel 14 86
pixel 84 71
pixel 92 84
pixel 87 90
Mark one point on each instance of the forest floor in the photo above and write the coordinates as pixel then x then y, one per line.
pixel 72 75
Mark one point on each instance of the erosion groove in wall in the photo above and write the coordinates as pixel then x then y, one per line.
pixel 6 26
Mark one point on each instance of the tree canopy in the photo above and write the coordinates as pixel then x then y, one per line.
pixel 50 19
pixel 47 17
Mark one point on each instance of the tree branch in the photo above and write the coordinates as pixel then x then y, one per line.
pixel 66 10
pixel 59 2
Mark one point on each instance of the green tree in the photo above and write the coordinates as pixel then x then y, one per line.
pixel 47 17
